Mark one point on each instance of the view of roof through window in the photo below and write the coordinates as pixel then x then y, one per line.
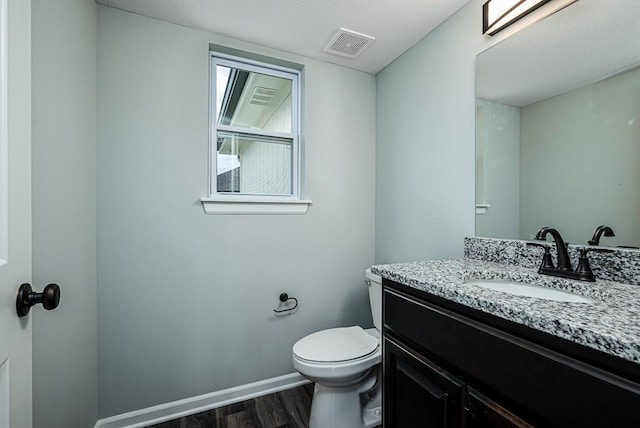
pixel 253 100
pixel 222 78
pixel 254 127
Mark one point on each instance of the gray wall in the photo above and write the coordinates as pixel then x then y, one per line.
pixel 580 155
pixel 185 299
pixel 498 178
pixel 425 163
pixel 64 211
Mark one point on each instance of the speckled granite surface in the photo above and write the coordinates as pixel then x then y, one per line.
pixel 622 265
pixel 611 324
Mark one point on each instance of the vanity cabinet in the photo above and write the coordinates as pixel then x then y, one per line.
pixel 419 393
pixel 445 366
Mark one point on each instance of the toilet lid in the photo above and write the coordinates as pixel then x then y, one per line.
pixel 336 344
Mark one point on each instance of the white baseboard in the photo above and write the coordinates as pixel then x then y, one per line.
pixel 177 409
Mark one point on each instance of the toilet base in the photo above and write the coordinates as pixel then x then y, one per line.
pixel 347 407
pixel 372 406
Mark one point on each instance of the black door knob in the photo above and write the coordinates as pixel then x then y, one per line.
pixel 50 297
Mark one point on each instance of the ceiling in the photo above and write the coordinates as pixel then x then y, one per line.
pixel 304 27
pixel 582 44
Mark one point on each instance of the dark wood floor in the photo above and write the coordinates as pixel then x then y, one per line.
pixel 284 409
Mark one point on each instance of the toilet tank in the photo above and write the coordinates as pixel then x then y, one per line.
pixel 374 282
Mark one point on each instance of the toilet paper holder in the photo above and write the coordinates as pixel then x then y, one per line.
pixel 284 299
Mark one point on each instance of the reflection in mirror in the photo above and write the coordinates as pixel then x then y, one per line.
pixel 558 142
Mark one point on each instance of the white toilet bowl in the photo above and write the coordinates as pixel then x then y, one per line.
pixel 342 363
pixel 345 365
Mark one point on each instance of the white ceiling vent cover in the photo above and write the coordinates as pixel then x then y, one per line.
pixel 348 43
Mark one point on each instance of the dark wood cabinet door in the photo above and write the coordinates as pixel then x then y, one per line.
pixel 418 393
pixel 482 412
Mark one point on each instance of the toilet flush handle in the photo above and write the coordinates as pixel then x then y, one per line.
pixel 367 282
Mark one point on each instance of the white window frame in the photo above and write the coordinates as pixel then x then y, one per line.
pixel 250 203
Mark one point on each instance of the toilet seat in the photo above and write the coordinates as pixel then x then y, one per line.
pixel 313 355
pixel 336 345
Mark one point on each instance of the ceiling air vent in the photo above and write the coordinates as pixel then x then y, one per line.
pixel 348 43
pixel 262 96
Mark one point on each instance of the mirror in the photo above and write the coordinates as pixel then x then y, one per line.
pixel 558 127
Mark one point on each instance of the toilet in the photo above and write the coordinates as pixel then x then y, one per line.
pixel 345 365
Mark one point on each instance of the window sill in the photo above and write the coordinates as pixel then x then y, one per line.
pixel 248 205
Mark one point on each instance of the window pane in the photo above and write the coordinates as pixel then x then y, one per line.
pixel 252 100
pixel 251 164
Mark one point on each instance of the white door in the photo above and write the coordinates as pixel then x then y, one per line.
pixel 15 210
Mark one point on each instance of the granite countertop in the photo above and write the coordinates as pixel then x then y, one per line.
pixel 611 324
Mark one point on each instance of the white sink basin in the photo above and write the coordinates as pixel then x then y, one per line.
pixel 530 290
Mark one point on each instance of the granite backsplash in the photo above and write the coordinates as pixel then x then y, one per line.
pixel 621 265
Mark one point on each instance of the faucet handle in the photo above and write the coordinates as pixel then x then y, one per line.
pixel 584 251
pixel 547 262
pixel 584 268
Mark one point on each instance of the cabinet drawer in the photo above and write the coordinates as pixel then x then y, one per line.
pixel 554 389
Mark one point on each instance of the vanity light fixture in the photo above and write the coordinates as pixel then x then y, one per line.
pixel 499 14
